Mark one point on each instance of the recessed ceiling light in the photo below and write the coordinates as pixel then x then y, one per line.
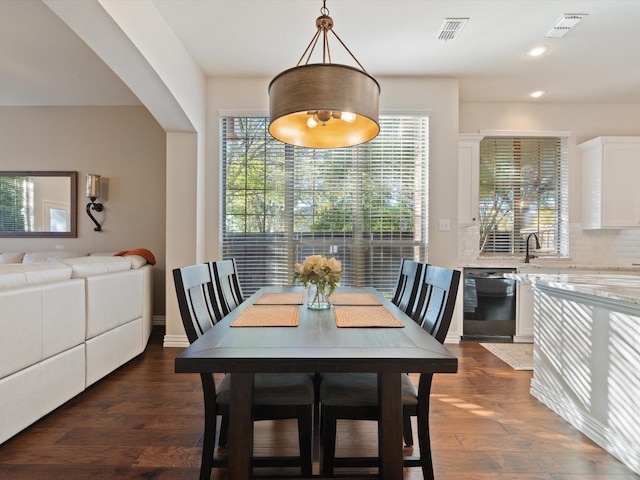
pixel 537 51
pixel 537 93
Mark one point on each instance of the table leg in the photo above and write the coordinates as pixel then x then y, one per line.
pixel 240 426
pixel 390 426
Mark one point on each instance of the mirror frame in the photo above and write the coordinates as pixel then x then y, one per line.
pixel 73 203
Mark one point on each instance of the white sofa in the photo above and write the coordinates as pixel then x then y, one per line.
pixel 67 319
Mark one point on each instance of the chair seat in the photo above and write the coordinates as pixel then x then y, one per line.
pixel 275 389
pixel 362 390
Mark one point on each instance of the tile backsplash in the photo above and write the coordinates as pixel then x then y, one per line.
pixel 604 247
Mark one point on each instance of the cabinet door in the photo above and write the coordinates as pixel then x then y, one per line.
pixel 468 178
pixel 524 318
pixel 621 181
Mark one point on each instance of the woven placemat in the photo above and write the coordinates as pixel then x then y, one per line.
pixel 268 316
pixel 291 298
pixel 365 316
pixel 355 299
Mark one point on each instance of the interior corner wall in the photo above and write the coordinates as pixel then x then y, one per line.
pixel 126 146
pixel 438 97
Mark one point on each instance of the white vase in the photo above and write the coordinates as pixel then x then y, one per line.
pixel 317 297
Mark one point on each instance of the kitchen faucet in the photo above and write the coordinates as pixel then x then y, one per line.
pixel 528 257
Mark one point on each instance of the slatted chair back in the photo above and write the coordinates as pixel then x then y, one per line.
pixel 192 285
pixel 227 293
pixel 436 300
pixel 409 279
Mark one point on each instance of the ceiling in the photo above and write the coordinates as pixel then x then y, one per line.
pixel 45 63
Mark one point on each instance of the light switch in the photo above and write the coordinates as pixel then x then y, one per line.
pixel 444 225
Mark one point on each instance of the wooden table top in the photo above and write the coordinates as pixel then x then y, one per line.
pixel 316 344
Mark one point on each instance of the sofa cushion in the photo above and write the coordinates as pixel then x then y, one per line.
pixel 11 257
pixel 136 261
pixel 53 256
pixel 96 265
pixel 21 339
pixel 21 275
pixel 113 300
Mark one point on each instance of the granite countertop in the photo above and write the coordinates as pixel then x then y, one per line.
pixel 546 264
pixel 619 287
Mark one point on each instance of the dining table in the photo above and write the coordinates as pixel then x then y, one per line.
pixel 361 332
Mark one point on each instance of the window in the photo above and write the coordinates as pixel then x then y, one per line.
pixel 365 205
pixel 523 190
pixel 16 204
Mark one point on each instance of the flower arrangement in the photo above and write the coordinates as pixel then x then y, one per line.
pixel 321 272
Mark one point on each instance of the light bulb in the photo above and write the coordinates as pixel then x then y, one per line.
pixel 348 117
pixel 312 122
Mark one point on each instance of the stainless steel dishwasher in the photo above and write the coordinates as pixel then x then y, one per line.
pixel 489 304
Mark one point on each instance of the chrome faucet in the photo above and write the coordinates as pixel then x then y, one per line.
pixel 527 256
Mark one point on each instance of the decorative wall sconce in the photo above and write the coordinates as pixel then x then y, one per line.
pixel 93 192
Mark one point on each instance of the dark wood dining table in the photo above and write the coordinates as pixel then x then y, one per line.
pixel 316 344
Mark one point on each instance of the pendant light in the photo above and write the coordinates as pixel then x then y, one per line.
pixel 324 105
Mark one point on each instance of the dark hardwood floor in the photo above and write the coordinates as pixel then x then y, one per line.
pixel 145 422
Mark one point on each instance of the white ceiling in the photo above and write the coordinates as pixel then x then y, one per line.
pixel 44 63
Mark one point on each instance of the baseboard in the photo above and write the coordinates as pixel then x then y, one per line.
pixel 523 338
pixel 178 341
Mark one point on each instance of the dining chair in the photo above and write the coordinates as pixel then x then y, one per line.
pixel 227 293
pixel 276 396
pixel 354 396
pixel 406 291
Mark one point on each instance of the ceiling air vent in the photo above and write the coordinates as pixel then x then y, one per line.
pixel 565 24
pixel 451 28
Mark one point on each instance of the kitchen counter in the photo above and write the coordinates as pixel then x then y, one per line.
pixel 547 264
pixel 623 288
pixel 586 364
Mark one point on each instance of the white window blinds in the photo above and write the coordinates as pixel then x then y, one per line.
pixel 16 204
pixel 523 190
pixel 365 205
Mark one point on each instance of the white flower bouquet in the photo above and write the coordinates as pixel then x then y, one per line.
pixel 323 273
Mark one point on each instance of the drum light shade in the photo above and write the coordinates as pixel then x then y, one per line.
pixel 324 105
pixel 324 90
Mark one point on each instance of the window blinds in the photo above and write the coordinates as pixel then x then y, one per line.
pixel 16 204
pixel 365 205
pixel 523 190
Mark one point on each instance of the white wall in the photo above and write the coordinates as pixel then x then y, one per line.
pixel 123 144
pixel 603 247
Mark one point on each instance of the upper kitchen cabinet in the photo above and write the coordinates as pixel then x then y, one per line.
pixel 468 178
pixel 610 182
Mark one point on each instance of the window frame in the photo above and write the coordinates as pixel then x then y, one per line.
pixel 561 247
pixel 295 245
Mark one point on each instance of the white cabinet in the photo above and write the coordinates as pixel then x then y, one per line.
pixel 524 315
pixel 610 182
pixel 468 178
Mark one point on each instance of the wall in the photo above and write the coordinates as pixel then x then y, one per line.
pixel 603 247
pixel 438 97
pixel 123 144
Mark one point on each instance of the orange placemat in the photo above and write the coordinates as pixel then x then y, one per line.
pixel 347 298
pixel 292 298
pixel 365 316
pixel 268 316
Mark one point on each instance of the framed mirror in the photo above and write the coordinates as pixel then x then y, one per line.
pixel 38 204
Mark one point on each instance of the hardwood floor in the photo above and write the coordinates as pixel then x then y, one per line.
pixel 144 421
